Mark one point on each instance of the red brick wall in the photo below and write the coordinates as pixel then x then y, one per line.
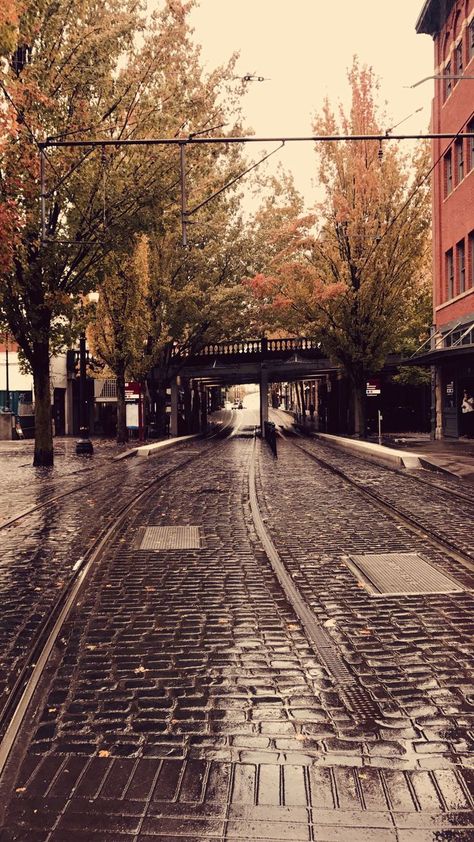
pixel 453 214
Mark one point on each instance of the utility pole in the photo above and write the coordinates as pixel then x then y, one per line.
pixel 84 445
pixel 7 373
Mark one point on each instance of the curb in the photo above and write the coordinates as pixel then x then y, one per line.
pixel 150 449
pixel 375 452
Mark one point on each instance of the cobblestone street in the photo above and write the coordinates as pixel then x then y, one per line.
pixel 183 699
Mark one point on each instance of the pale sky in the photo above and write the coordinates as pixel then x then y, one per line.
pixel 304 47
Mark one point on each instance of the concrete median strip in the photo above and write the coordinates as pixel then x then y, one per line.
pixel 376 452
pixel 150 449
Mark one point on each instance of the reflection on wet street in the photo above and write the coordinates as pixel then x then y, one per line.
pixel 184 700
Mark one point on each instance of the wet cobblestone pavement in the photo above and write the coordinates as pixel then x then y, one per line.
pixel 40 551
pixel 184 702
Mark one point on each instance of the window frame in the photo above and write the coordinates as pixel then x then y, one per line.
pixel 470 147
pixel 448 173
pixel 459 156
pixel 458 61
pixel 461 266
pixel 449 257
pixel 448 83
pixel 470 260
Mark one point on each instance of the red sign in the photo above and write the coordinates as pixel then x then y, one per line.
pixel 373 388
pixel 132 390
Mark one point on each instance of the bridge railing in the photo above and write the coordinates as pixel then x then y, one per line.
pixel 254 346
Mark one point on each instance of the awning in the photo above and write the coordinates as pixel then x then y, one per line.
pixel 440 355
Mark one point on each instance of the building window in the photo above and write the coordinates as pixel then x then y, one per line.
pixel 458 62
pixel 448 82
pixel 449 274
pixel 471 260
pixel 459 150
pixel 448 173
pixel 470 146
pixel 461 266
pixel 470 45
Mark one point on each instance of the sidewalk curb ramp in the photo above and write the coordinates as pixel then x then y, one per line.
pixel 150 449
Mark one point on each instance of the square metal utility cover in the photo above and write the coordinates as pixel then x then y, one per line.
pixel 169 538
pixel 399 574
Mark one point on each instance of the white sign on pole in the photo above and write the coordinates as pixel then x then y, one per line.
pixel 131 415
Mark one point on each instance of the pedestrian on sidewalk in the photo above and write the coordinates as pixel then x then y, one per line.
pixel 467 412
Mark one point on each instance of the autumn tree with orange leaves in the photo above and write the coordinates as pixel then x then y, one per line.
pixel 349 272
pixel 88 70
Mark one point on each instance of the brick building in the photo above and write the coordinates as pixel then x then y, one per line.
pixel 451 25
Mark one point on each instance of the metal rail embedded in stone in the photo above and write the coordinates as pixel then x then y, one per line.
pixel 320 640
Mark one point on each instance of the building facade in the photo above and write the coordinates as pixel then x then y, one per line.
pixel 451 25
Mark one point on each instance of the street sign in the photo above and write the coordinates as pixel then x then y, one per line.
pixel 373 388
pixel 132 391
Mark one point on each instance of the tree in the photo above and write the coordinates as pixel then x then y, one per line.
pixel 196 294
pixel 415 329
pixel 352 278
pixel 8 217
pixel 119 331
pixel 78 73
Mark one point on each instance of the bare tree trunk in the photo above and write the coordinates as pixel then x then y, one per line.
pixel 121 410
pixel 161 421
pixel 43 454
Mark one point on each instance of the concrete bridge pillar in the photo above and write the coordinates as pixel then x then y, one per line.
pixel 263 399
pixel 203 397
pixel 174 407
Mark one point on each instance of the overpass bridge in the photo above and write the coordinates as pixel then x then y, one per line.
pixel 261 361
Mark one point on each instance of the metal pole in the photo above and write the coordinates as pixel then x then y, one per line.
pixel 182 161
pixel 43 196
pixel 141 436
pixel 84 445
pixel 7 374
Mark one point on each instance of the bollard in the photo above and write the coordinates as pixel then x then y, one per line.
pixel 270 437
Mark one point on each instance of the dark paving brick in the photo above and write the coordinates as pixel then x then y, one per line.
pixel 189 705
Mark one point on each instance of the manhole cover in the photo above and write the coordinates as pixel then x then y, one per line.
pixel 169 538
pixel 399 574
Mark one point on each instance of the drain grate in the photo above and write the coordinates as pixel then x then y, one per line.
pixel 169 538
pixel 398 574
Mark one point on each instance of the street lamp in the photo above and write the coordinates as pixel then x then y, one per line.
pixel 84 446
pixel 439 76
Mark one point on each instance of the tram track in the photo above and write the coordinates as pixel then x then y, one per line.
pixel 446 487
pixel 27 679
pixel 210 650
pixel 115 469
pixel 50 501
pixel 356 697
pixel 353 695
pixel 416 527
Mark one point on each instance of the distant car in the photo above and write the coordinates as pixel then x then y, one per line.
pixel 240 405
